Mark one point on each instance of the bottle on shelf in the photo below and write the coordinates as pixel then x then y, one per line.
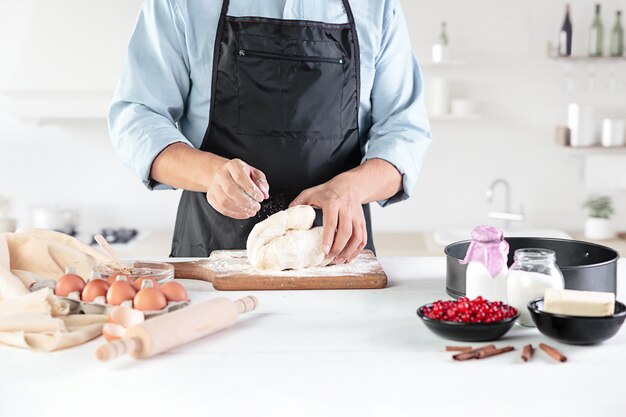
pixel 565 35
pixel 440 49
pixel 617 37
pixel 443 36
pixel 596 35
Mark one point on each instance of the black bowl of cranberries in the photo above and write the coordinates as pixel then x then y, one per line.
pixel 466 320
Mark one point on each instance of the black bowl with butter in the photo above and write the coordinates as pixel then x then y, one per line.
pixel 576 330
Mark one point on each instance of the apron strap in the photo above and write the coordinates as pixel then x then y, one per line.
pixel 346 5
pixel 224 12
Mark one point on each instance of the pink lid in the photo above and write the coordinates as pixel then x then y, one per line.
pixel 489 248
pixel 486 234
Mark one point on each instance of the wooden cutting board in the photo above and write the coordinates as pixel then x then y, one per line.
pixel 230 270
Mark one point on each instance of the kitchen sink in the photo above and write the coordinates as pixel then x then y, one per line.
pixel 446 237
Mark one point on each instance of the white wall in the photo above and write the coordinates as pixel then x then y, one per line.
pixel 76 167
pixel 521 95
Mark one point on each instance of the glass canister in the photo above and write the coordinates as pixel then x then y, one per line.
pixel 533 271
pixel 486 260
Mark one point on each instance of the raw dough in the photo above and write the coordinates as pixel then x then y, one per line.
pixel 285 240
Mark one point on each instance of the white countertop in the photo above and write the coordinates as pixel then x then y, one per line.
pixel 323 353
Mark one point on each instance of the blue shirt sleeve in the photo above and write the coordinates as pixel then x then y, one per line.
pixel 152 91
pixel 400 132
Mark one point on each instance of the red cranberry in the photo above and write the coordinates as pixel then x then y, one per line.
pixel 465 310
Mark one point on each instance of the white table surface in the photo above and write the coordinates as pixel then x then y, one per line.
pixel 323 353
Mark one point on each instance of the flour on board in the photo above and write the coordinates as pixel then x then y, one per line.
pixel 235 262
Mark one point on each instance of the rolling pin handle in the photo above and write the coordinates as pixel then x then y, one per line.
pixel 246 304
pixel 118 348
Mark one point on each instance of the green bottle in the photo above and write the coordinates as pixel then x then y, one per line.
pixel 443 37
pixel 617 37
pixel 596 35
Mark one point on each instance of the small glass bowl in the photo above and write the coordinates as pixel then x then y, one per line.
pixel 160 271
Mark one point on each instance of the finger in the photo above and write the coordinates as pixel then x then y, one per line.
pixel 329 220
pixel 215 202
pixel 241 174
pixel 365 238
pixel 232 205
pixel 361 245
pixel 301 199
pixel 260 180
pixel 348 253
pixel 238 196
pixel 344 232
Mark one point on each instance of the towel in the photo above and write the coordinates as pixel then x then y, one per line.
pixel 39 320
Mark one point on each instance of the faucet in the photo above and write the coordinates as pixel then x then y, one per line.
pixel 506 215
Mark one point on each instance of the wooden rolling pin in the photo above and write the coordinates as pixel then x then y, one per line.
pixel 177 328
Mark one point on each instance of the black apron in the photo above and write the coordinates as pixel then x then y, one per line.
pixel 285 100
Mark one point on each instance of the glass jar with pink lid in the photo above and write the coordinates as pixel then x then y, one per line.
pixel 486 260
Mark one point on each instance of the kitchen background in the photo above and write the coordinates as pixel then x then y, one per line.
pixel 61 59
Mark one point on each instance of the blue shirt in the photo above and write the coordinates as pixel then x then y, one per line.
pixel 164 91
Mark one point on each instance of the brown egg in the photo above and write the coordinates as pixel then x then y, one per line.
pixel 95 288
pixel 173 291
pixel 149 298
pixel 139 281
pixel 113 277
pixel 69 283
pixel 120 291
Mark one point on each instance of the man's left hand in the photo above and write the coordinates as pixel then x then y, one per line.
pixel 345 232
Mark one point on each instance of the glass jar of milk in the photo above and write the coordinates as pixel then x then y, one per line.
pixel 486 260
pixel 533 271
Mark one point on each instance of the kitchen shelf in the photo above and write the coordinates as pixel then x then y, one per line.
pixel 589 59
pixel 595 150
pixel 455 117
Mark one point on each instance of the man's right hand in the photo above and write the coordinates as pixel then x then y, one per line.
pixel 237 189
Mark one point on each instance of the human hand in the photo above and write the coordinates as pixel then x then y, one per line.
pixel 237 189
pixel 345 232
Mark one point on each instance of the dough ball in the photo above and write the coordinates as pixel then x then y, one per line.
pixel 285 240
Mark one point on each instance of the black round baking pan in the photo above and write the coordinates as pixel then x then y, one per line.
pixel 585 266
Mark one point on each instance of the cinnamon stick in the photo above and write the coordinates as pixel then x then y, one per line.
pixel 472 354
pixel 527 353
pixel 493 352
pixel 458 348
pixel 554 354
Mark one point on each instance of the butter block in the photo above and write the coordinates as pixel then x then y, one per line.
pixel 579 303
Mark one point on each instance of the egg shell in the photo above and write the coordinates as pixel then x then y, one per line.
pixel 140 280
pixel 113 277
pixel 149 299
pixel 119 292
pixel 69 283
pixel 126 316
pixel 95 288
pixel 112 331
pixel 173 291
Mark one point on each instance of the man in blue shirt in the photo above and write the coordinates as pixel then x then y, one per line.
pixel 252 106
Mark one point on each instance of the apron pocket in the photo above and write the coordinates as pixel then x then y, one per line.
pixel 290 95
